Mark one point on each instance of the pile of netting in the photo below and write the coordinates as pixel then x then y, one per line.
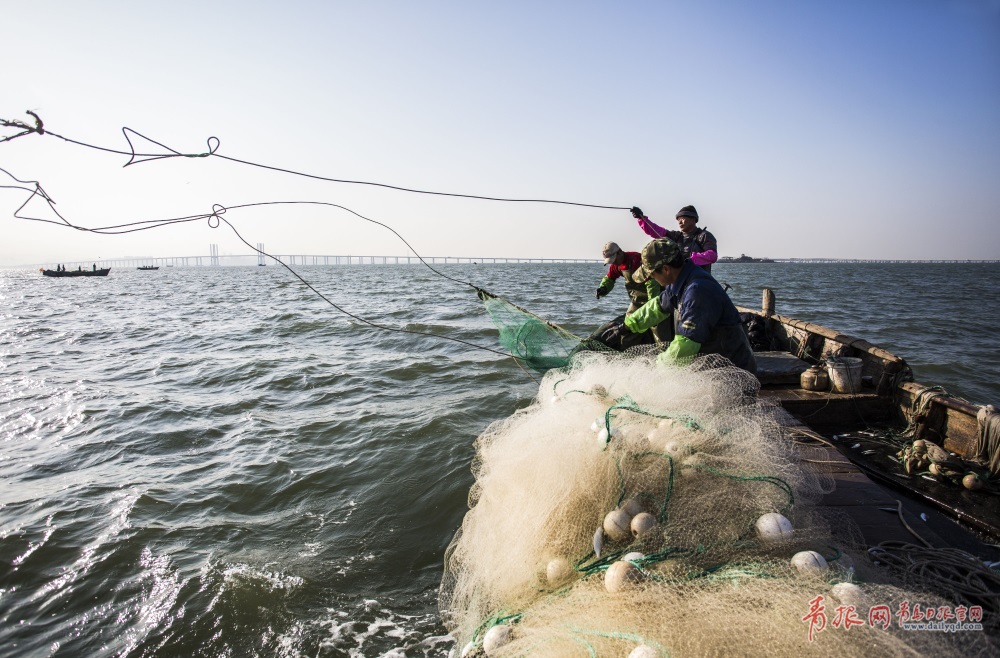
pixel 640 510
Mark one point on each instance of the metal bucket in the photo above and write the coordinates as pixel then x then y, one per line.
pixel 845 374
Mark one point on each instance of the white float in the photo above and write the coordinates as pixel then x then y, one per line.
pixel 848 594
pixel 496 637
pixel 558 571
pixel 642 523
pixel 809 563
pixel 617 525
pixel 621 576
pixel 773 527
pixel 644 651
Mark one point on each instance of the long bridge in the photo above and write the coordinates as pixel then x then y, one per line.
pixel 300 260
pixel 214 259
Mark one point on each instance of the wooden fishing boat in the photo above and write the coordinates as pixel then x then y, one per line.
pixel 873 431
pixel 887 518
pixel 79 272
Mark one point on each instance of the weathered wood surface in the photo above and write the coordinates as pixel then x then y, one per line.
pixel 861 500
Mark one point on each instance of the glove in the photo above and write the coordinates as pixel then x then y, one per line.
pixel 612 336
pixel 601 292
pixel 636 212
pixel 619 332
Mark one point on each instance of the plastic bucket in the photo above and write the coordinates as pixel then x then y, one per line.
pixel 845 375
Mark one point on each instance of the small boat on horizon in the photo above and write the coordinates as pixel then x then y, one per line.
pixel 77 272
pixel 148 267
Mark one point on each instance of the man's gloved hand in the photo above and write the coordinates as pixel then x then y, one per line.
pixel 619 332
pixel 636 212
pixel 601 292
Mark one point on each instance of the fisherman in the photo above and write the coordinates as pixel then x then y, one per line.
pixel 705 319
pixel 624 264
pixel 697 243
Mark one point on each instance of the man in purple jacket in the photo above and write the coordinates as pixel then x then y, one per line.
pixel 698 245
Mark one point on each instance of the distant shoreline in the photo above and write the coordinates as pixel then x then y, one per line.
pixel 309 261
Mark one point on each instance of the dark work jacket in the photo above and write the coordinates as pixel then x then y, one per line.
pixel 704 313
pixel 699 241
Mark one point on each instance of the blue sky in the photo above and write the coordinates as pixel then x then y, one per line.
pixel 862 129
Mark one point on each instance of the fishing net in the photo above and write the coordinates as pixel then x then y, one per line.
pixel 543 345
pixel 639 510
pixel 538 343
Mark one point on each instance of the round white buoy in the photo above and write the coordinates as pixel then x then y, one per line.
pixel 603 437
pixel 632 506
pixel 644 651
pixel 496 637
pixel 809 563
pixel 773 527
pixel 617 525
pixel 555 398
pixel 558 571
pixel 621 576
pixel 467 649
pixel 848 594
pixel 642 523
pixel 633 556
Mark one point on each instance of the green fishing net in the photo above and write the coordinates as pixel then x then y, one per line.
pixel 538 343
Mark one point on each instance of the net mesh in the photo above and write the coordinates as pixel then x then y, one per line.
pixel 535 341
pixel 619 513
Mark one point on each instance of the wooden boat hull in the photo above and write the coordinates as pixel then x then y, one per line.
pixel 100 272
pixel 891 402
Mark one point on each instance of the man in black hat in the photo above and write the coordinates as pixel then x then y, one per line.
pixel 705 319
pixel 697 243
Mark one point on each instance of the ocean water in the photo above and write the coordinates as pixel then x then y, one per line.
pixel 217 462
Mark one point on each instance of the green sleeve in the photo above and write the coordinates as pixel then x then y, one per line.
pixel 607 284
pixel 680 351
pixel 652 288
pixel 647 316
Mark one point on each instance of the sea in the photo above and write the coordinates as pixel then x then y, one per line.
pixel 222 461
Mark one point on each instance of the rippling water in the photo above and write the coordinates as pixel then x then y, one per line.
pixel 215 462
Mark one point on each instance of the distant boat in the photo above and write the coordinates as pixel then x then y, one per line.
pixel 744 259
pixel 81 272
pixel 147 267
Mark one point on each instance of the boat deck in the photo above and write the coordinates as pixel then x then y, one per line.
pixel 872 506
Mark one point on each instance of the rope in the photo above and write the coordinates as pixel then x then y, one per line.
pixel 947 571
pixel 988 440
pixel 348 313
pixel 214 143
pixel 215 219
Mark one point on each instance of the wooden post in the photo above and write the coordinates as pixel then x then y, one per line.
pixel 767 304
